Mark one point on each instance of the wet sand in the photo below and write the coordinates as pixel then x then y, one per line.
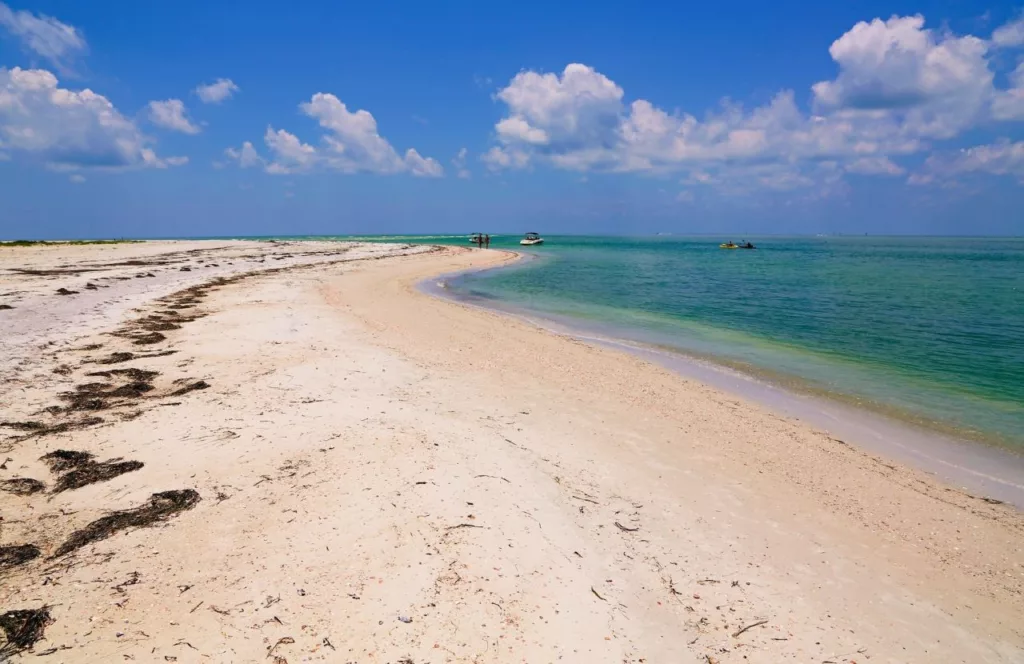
pixel 381 476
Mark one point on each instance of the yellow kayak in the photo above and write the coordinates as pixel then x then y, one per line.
pixel 728 245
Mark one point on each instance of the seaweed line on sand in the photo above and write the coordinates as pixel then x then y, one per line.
pixel 161 506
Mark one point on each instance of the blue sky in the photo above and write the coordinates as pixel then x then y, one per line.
pixel 197 118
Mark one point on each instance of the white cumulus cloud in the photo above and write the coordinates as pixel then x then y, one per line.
pixel 497 158
pixel 246 156
pixel 938 82
pixel 218 91
pixel 900 88
pixel 290 154
pixel 1009 104
pixel 43 35
pixel 171 115
pixel 65 129
pixel 459 162
pixel 351 143
pixel 874 166
pixel 1009 35
pixel 1004 157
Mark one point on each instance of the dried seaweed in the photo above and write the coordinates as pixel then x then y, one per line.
pixel 18 554
pixel 22 486
pixel 93 472
pixel 142 375
pixel 116 358
pixel 151 338
pixel 23 426
pixel 198 385
pixel 23 628
pixel 161 507
pixel 60 461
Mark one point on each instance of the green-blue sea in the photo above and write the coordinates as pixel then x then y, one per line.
pixel 929 330
pixel 926 330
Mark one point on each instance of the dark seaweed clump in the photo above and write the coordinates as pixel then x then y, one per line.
pixel 23 426
pixel 116 358
pixel 151 338
pixel 23 628
pixel 198 385
pixel 22 486
pixel 60 461
pixel 18 554
pixel 92 472
pixel 161 507
pixel 91 396
pixel 140 375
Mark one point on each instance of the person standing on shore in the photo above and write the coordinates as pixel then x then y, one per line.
pixel 487 241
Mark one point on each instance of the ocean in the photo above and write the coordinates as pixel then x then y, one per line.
pixel 925 330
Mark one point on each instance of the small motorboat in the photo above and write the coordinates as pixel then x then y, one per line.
pixel 476 238
pixel 728 245
pixel 747 245
pixel 531 240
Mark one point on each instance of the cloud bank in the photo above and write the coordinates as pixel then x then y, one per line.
pixel 69 130
pixel 900 88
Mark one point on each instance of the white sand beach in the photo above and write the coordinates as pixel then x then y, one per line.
pixel 361 472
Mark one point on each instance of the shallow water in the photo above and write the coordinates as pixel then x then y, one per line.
pixel 929 330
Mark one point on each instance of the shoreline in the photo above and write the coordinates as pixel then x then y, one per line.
pixel 358 470
pixel 993 469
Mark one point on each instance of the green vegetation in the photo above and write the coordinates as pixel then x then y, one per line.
pixel 34 243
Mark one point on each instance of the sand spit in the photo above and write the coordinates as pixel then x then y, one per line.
pixel 287 453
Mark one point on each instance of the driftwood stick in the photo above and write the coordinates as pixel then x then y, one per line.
pixel 750 626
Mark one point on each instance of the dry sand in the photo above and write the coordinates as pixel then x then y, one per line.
pixel 386 477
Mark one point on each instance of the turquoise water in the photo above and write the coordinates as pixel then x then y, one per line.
pixel 926 329
pixel 929 330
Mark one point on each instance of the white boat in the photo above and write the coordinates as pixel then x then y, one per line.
pixel 531 240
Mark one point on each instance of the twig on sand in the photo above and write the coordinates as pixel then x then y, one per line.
pixel 624 528
pixel 597 594
pixel 282 641
pixel 495 477
pixel 327 642
pixel 220 611
pixel 838 659
pixel 750 626
pixel 672 587
pixel 463 525
pixel 196 607
pixel 589 500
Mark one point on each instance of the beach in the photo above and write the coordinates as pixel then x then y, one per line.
pixel 338 466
